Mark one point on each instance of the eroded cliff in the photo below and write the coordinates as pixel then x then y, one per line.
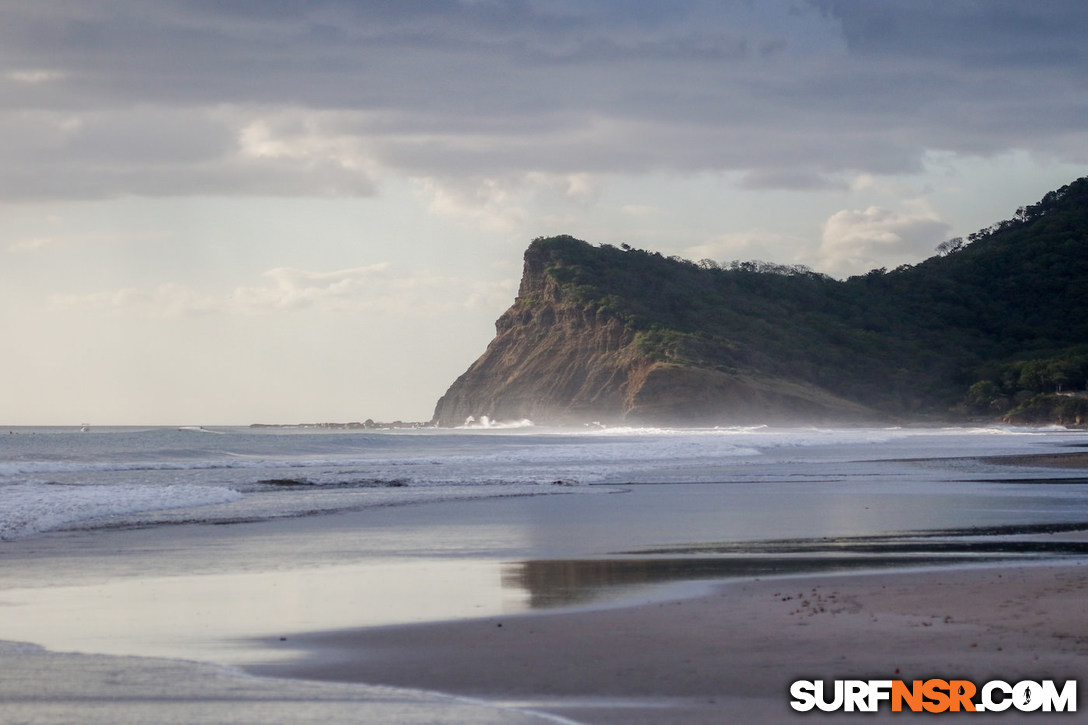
pixel 559 357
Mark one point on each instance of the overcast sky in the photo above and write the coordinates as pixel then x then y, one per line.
pixel 236 211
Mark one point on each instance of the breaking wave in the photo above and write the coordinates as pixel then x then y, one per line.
pixel 31 508
pixel 51 479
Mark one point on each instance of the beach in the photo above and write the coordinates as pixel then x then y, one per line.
pixel 767 557
pixel 726 656
pixel 730 655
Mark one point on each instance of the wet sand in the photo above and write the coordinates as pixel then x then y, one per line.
pixel 729 656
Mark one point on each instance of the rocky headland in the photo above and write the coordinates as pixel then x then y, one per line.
pixel 557 360
pixel 621 335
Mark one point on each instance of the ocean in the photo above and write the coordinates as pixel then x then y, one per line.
pixel 62 479
pixel 211 545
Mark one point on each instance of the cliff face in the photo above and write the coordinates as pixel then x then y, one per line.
pixel 556 359
pixel 551 361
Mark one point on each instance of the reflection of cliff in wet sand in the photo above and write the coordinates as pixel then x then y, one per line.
pixel 551 583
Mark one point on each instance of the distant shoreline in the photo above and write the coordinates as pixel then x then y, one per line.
pixel 354 425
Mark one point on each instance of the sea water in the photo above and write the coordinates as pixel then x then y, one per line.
pixel 67 478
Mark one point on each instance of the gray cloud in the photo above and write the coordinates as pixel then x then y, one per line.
pixel 156 98
pixel 789 179
pixel 166 152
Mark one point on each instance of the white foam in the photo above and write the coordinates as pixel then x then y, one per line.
pixel 486 423
pixel 199 429
pixel 26 468
pixel 51 480
pixel 31 508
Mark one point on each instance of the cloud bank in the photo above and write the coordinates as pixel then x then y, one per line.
pixel 121 97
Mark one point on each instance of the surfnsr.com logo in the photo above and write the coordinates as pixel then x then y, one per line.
pixel 934 696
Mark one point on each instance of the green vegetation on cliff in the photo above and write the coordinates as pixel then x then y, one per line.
pixel 986 325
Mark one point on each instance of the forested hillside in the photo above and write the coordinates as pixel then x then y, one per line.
pixel 982 328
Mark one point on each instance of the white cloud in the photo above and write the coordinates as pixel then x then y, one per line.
pixel 492 204
pixel 856 241
pixel 583 189
pixel 67 241
pixel 514 204
pixel 34 76
pixel 297 289
pixel 20 246
pixel 761 244
pixel 165 300
pixel 368 288
pixel 899 189
pixel 309 138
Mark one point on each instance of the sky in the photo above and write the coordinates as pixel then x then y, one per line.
pixel 267 211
